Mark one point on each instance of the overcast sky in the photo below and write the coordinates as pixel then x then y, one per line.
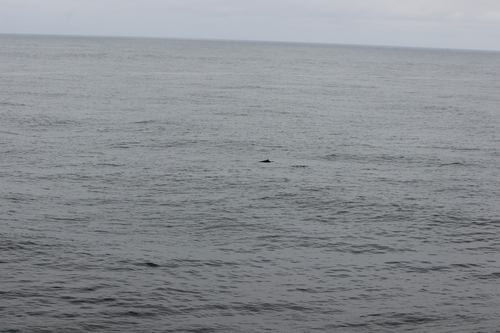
pixel 466 24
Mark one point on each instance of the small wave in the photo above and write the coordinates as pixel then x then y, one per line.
pixel 491 276
pixel 393 319
pixel 375 249
pixel 11 104
pixel 452 164
pixel 125 145
pixel 111 164
pixel 144 122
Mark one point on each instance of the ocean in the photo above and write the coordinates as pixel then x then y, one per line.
pixel 133 197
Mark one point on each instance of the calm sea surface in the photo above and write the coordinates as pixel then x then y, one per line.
pixel 132 198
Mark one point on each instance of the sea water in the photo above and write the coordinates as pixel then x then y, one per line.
pixel 133 199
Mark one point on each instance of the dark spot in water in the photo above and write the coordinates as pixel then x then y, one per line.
pixel 266 161
pixel 151 264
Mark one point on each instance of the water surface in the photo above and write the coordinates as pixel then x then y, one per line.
pixel 132 197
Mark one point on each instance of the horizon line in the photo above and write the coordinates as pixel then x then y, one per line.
pixel 249 41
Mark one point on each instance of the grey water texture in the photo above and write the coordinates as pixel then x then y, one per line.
pixel 133 197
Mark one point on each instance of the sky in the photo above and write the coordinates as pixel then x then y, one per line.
pixel 459 24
